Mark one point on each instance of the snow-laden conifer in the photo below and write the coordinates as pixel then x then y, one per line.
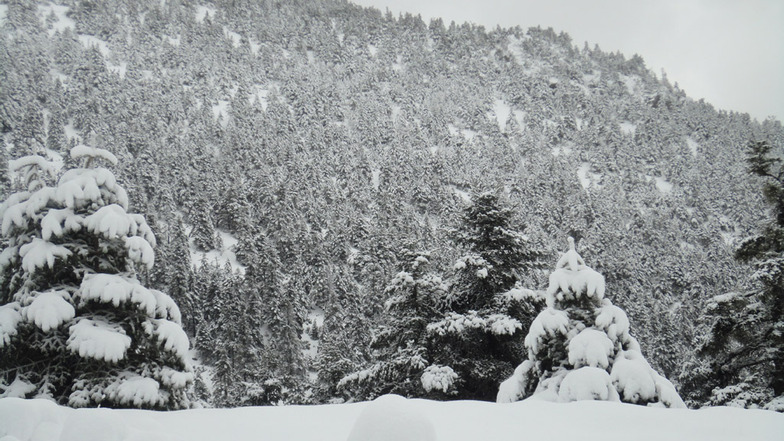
pixel 580 348
pixel 76 325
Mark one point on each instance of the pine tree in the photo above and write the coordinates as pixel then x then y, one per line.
pixel 480 332
pixel 402 359
pixel 498 255
pixel 580 348
pixel 76 326
pixel 745 346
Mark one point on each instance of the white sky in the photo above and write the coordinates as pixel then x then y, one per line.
pixel 730 52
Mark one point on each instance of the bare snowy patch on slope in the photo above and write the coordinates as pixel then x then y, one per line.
pixel 203 12
pixel 468 134
pixel 220 112
pixel 218 257
pixel 633 85
pixel 663 185
pixel 587 178
pixel 501 110
pixel 310 332
pixel 90 41
pixel 61 21
pixel 236 39
pixel 693 146
pixel 562 149
pixel 628 128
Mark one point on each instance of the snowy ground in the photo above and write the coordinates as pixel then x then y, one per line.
pixel 390 418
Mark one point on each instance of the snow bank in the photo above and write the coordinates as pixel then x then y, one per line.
pixel 389 418
pixel 451 421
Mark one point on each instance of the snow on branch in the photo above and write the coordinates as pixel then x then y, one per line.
pixel 83 151
pixel 115 289
pixel 40 253
pixel 98 339
pixel 437 377
pixel 9 319
pixel 49 310
pixel 132 389
pixel 170 334
pixel 454 323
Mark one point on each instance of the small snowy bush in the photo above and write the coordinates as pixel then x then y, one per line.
pixel 580 348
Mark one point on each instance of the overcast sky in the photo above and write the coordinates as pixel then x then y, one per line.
pixel 730 52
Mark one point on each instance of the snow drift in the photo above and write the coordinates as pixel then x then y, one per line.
pixel 41 420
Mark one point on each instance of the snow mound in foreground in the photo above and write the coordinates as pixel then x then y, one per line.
pixel 390 417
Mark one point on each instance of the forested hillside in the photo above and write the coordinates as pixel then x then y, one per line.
pixel 293 157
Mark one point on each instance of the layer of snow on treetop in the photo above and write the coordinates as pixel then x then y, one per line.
pixel 387 418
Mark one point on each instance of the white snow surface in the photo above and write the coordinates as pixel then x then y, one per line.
pixel 501 110
pixel 236 39
pixel 203 12
pixel 218 257
pixel 663 185
pixel 42 420
pixel 693 146
pixel 389 418
pixel 628 128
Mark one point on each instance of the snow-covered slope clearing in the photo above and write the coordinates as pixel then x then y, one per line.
pixel 41 420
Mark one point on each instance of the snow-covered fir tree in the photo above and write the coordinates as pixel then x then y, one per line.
pixel 76 325
pixel 580 348
pixel 480 333
pixel 743 353
pixel 403 361
pixel 497 255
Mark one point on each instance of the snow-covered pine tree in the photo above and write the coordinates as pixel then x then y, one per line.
pixel 480 334
pixel 744 349
pixel 76 326
pixel 580 348
pixel 497 254
pixel 402 359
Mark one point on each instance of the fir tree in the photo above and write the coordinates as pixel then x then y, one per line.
pixel 402 359
pixel 498 255
pixel 479 336
pixel 580 348
pixel 76 326
pixel 745 346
